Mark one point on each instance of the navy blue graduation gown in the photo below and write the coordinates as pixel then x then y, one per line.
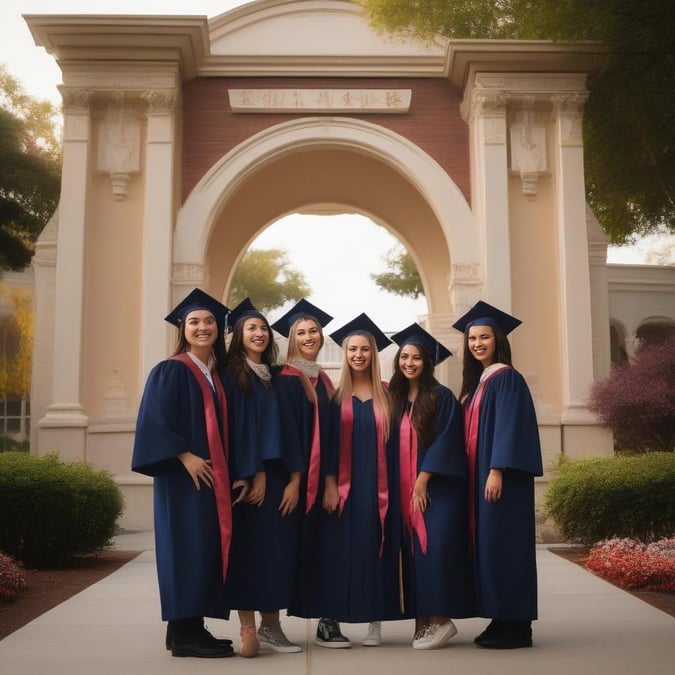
pixel 356 584
pixel 297 423
pixel 505 550
pixel 187 535
pixel 263 552
pixel 440 582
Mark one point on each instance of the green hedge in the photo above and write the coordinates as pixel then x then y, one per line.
pixel 623 496
pixel 51 511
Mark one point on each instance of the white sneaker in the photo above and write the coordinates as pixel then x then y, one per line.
pixel 435 635
pixel 374 636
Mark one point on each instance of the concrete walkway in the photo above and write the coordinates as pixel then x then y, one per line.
pixel 586 626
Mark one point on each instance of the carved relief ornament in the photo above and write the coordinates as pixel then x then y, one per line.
pixel 568 111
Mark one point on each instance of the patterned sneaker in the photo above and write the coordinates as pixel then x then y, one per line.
pixel 374 636
pixel 328 634
pixel 435 636
pixel 277 640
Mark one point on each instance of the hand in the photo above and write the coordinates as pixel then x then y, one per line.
pixel 256 495
pixel 199 469
pixel 420 495
pixel 493 485
pixel 290 498
pixel 331 497
pixel 243 487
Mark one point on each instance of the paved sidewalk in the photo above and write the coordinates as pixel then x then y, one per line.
pixel 586 626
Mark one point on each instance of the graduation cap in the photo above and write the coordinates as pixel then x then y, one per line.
pixel 302 308
pixel 414 334
pixel 362 323
pixel 243 309
pixel 483 314
pixel 198 299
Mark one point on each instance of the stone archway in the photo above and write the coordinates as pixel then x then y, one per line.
pixel 332 165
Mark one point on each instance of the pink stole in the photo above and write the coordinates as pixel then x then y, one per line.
pixel 315 450
pixel 217 453
pixel 345 465
pixel 413 520
pixel 471 419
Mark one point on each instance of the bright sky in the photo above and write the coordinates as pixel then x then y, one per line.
pixel 346 237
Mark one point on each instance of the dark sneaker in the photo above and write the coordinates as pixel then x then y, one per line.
pixel 328 634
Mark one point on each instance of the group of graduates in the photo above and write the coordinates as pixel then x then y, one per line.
pixel 360 502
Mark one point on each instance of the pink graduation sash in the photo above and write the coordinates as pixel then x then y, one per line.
pixel 471 419
pixel 345 468
pixel 315 450
pixel 413 520
pixel 217 453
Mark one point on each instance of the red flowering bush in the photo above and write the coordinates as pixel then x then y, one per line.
pixel 12 578
pixel 633 565
pixel 637 400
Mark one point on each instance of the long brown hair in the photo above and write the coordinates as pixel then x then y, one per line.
pixel 424 408
pixel 472 368
pixel 236 354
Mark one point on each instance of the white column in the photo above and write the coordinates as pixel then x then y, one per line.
pixel 158 214
pixel 487 119
pixel 576 319
pixel 65 409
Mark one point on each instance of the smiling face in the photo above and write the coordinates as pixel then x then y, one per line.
pixel 307 336
pixel 482 344
pixel 359 353
pixel 255 337
pixel 411 362
pixel 201 329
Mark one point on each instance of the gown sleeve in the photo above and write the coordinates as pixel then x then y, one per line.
pixel 446 454
pixel 511 424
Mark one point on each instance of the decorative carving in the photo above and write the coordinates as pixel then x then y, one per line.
pixel 485 103
pixel 466 272
pixel 568 110
pixel 162 101
pixel 119 140
pixel 188 272
pixel 77 98
pixel 528 147
pixel 116 401
pixel 320 100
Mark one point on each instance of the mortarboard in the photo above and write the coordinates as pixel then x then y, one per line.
pixel 483 314
pixel 243 309
pixel 198 299
pixel 362 323
pixel 414 334
pixel 303 308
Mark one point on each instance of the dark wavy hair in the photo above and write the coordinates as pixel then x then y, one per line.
pixel 236 354
pixel 472 369
pixel 218 350
pixel 424 410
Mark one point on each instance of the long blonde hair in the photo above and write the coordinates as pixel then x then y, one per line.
pixel 380 395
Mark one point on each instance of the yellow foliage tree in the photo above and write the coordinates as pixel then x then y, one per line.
pixel 15 365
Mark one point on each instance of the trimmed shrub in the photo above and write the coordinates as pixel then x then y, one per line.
pixel 12 578
pixel 637 401
pixel 52 510
pixel 605 497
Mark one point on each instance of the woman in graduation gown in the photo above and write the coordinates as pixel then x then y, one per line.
pixel 504 454
pixel 428 441
pixel 266 522
pixel 305 390
pixel 181 442
pixel 359 537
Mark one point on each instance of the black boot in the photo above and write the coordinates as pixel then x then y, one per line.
pixel 223 642
pixel 493 628
pixel 188 637
pixel 509 635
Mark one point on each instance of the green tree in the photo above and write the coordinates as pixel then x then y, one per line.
pixel 266 276
pixel 629 124
pixel 30 173
pixel 401 277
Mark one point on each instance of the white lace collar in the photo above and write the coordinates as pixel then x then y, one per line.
pixel 260 369
pixel 309 368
